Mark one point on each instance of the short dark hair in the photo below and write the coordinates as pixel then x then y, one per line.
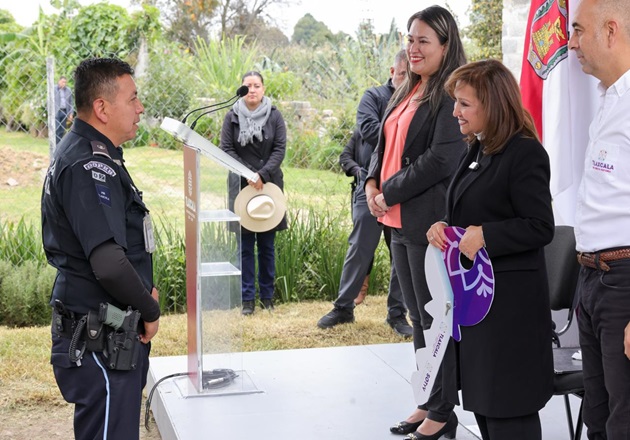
pixel 95 78
pixel 253 73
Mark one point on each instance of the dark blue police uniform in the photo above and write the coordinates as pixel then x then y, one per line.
pixel 89 199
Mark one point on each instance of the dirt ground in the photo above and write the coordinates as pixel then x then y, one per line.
pixel 50 422
pixel 25 168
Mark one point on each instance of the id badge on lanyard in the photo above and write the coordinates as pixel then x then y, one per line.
pixel 149 238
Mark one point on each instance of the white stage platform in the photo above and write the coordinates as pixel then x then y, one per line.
pixel 337 393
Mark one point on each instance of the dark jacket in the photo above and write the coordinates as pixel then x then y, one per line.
pixel 433 148
pixel 357 154
pixel 506 363
pixel 349 157
pixel 263 157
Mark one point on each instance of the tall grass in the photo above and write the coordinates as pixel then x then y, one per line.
pixel 20 242
pixel 221 63
pixel 169 267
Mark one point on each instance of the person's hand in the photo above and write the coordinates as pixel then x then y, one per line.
pixel 258 184
pixel 150 330
pixel 380 201
pixel 626 341
pixel 371 191
pixel 471 242
pixel 70 117
pixel 436 236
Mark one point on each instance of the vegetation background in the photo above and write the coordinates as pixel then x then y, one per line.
pixel 189 53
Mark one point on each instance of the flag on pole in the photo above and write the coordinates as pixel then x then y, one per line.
pixel 561 98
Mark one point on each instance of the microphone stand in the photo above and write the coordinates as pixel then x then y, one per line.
pixel 240 92
pixel 192 126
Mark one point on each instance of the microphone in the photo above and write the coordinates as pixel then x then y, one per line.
pixel 192 126
pixel 240 92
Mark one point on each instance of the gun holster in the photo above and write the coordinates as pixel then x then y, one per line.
pixel 123 344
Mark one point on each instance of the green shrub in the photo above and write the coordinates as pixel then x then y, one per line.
pixel 169 267
pixel 309 261
pixel 26 294
pixel 162 89
pixel 20 242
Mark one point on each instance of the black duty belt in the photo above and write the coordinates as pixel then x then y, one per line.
pixel 64 326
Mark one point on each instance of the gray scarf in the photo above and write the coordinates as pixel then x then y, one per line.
pixel 251 123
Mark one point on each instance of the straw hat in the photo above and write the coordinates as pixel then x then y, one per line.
pixel 260 211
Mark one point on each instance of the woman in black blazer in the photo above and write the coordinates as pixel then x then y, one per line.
pixel 417 154
pixel 500 195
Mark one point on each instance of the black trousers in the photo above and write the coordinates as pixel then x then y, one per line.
pixel 604 312
pixel 513 428
pixel 106 402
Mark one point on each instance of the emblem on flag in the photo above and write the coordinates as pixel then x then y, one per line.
pixel 548 37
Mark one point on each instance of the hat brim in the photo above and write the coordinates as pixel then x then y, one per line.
pixel 256 225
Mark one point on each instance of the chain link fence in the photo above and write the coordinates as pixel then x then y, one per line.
pixel 316 89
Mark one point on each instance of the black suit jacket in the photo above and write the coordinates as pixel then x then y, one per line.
pixel 506 362
pixel 433 148
pixel 509 195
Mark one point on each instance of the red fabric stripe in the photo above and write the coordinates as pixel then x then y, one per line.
pixel 531 83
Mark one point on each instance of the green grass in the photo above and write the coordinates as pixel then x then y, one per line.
pixel 19 141
pixel 159 174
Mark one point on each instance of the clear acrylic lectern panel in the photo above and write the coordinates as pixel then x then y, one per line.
pixel 215 324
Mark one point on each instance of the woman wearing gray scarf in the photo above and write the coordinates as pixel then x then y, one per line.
pixel 254 133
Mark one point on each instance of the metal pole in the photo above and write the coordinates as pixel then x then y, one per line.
pixel 50 106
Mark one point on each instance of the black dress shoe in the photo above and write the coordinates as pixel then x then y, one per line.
pixel 267 303
pixel 449 431
pixel 248 308
pixel 400 326
pixel 336 316
pixel 403 428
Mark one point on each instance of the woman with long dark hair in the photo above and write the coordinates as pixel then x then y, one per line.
pixel 417 154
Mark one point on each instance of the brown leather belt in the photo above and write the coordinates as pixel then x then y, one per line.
pixel 597 260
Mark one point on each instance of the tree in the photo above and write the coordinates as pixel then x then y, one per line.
pixel 7 22
pixel 247 17
pixel 486 27
pixel 187 19
pixel 309 31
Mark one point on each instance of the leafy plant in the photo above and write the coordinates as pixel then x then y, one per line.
pixel 20 242
pixel 168 66
pixel 486 29
pixel 25 295
pixel 220 64
pixel 169 267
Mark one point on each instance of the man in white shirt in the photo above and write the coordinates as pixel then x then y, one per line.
pixel 601 40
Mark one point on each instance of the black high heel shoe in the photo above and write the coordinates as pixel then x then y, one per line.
pixel 403 428
pixel 449 431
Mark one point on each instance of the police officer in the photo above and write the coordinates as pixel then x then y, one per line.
pixel 97 233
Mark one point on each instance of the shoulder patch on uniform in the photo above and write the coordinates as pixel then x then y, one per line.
pixel 104 195
pixel 100 166
pixel 99 149
pixel 98 176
